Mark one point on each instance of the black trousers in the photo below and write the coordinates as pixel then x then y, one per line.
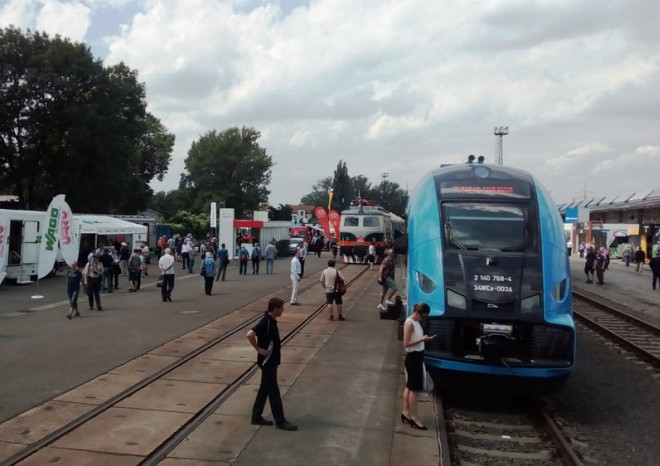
pixel 208 284
pixel 168 286
pixel 271 391
pixel 302 267
pixel 656 278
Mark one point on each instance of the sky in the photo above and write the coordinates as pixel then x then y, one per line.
pixel 394 88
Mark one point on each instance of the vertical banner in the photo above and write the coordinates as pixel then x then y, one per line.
pixel 48 249
pixel 322 216
pixel 68 235
pixel 335 219
pixel 214 215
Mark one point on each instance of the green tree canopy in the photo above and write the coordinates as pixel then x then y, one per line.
pixel 348 189
pixel 69 125
pixel 320 193
pixel 227 167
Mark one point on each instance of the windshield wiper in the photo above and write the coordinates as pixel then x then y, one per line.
pixel 450 234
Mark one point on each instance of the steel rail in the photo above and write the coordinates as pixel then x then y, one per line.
pixel 612 335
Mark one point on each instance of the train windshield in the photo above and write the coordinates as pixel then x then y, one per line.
pixel 489 226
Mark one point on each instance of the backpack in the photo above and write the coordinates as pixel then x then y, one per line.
pixel 243 255
pixel 340 285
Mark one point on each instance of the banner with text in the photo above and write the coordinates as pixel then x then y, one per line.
pixel 335 220
pixel 69 235
pixel 322 216
pixel 48 249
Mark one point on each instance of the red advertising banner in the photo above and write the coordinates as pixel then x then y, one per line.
pixel 322 216
pixel 335 220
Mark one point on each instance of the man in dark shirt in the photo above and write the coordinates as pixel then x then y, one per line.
pixel 654 264
pixel 600 266
pixel 106 260
pixel 265 338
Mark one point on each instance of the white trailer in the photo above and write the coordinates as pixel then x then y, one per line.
pixel 26 227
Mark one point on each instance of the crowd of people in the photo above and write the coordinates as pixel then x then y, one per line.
pixel 597 261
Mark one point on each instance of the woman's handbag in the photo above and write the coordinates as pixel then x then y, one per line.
pixel 161 281
pixel 340 286
pixel 203 271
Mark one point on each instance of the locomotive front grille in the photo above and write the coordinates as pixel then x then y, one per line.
pixel 530 344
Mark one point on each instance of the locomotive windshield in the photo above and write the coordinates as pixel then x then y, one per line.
pixel 486 226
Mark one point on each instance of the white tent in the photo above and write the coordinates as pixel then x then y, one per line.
pixel 102 225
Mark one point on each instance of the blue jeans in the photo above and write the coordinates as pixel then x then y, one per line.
pixel 269 265
pixel 191 262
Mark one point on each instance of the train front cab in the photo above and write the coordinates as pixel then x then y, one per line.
pixel 488 256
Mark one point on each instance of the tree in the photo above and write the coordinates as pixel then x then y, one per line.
pixel 391 197
pixel 342 187
pixel 69 125
pixel 282 213
pixel 319 194
pixel 228 167
pixel 361 187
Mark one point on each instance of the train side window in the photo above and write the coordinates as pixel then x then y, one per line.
pixel 370 222
pixel 351 221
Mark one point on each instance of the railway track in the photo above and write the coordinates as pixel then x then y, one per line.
pixel 481 429
pixel 221 365
pixel 635 335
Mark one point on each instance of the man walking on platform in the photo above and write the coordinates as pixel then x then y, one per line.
pixel 296 275
pixel 271 253
pixel 265 338
pixel 223 262
pixel 302 257
pixel 640 258
pixel 654 264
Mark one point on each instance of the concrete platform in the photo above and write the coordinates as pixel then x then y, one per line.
pixel 622 285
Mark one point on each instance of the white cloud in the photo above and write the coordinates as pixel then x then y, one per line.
pixel 68 19
pixel 398 86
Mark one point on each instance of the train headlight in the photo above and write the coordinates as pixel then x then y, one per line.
pixel 456 300
pixel 559 291
pixel 531 305
pixel 425 283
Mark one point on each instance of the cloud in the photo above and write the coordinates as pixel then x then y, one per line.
pixel 397 87
pixel 68 19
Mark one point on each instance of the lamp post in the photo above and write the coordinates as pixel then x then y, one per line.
pixel 500 132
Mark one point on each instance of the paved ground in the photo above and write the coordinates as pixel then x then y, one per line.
pixel 346 400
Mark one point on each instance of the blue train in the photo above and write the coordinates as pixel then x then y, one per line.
pixel 487 252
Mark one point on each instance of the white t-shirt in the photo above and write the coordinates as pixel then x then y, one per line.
pixel 329 275
pixel 166 263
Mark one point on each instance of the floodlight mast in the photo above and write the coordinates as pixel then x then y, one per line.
pixel 500 132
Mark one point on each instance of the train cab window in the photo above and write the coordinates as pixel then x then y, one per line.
pixel 351 221
pixel 370 222
pixel 505 227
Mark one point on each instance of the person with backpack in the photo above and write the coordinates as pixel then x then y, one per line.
pixel 242 260
pixel 329 279
pixel 256 257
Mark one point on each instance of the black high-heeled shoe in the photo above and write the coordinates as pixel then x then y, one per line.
pixel 404 419
pixel 414 425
